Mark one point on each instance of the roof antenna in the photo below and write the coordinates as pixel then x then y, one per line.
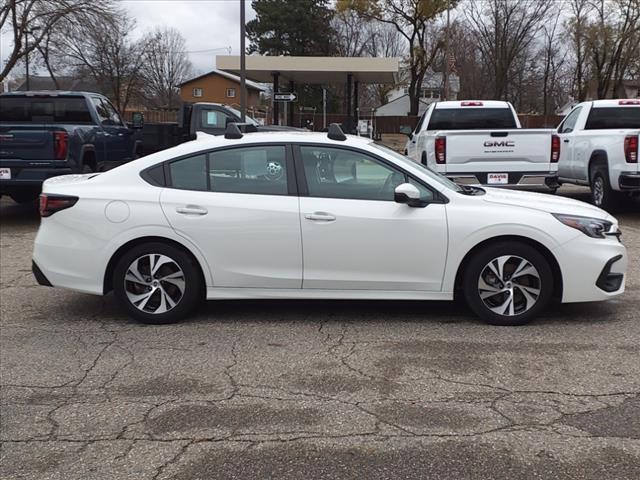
pixel 232 132
pixel 336 133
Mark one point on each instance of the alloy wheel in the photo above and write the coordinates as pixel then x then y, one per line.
pixel 509 285
pixel 154 283
pixel 598 190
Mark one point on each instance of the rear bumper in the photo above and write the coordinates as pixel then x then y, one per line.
pixel 30 178
pixel 629 181
pixel 516 179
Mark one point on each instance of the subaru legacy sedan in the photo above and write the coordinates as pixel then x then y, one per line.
pixel 294 215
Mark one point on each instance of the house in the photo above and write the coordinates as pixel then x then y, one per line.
pixel 400 107
pixel 217 86
pixel 398 103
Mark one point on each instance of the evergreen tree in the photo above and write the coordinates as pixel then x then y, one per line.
pixel 293 27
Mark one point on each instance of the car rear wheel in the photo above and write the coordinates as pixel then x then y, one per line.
pixel 508 283
pixel 602 194
pixel 157 283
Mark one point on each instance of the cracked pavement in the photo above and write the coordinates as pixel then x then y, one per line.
pixel 320 389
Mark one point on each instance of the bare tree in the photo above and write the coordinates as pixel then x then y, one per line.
pixel 553 57
pixel 612 36
pixel 105 52
pixel 31 21
pixel 575 31
pixel 414 20
pixel 505 30
pixel 353 33
pixel 166 65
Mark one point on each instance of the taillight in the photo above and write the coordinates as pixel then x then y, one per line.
pixel 631 148
pixel 60 145
pixel 555 148
pixel 471 104
pixel 441 149
pixel 50 204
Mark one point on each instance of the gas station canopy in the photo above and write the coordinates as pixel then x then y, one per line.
pixel 316 70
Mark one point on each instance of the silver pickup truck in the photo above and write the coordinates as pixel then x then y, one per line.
pixel 600 149
pixel 482 142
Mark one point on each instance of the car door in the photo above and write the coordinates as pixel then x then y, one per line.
pixel 121 133
pixel 354 235
pixel 111 134
pixel 565 132
pixel 239 207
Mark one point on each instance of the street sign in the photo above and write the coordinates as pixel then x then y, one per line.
pixel 284 97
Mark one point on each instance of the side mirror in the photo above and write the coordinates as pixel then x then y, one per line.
pixel 137 120
pixel 407 130
pixel 409 195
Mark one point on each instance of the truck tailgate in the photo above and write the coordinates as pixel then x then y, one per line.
pixel 26 142
pixel 520 150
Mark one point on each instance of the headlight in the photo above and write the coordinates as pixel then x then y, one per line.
pixel 592 227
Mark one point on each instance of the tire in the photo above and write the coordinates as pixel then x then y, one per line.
pixel 25 197
pixel 183 286
pixel 511 304
pixel 86 168
pixel 602 195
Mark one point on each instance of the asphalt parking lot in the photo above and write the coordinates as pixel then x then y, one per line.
pixel 322 389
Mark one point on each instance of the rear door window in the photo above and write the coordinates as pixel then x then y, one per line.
pixel 45 109
pixel 612 118
pixel 254 170
pixel 470 118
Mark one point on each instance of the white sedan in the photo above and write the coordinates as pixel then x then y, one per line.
pixel 320 216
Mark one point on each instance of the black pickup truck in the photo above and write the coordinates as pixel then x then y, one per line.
pixel 50 133
pixel 211 118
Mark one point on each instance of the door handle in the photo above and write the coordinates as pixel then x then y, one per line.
pixel 192 210
pixel 566 140
pixel 320 217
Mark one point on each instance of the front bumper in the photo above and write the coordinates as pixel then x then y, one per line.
pixel 629 181
pixel 592 269
pixel 40 277
pixel 516 179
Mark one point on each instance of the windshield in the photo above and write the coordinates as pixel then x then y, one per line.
pixel 441 179
pixel 250 120
pixel 466 118
pixel 601 118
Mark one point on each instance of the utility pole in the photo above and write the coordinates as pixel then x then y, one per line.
pixel 243 73
pixel 26 57
pixel 445 89
pixel 324 108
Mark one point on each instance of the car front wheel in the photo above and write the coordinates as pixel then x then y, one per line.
pixel 157 283
pixel 508 283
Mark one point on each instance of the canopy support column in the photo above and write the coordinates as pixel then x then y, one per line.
pixel 291 87
pixel 276 105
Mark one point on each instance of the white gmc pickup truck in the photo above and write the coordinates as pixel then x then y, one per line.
pixel 482 142
pixel 600 149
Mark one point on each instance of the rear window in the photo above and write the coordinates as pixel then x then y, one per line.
pixel 603 118
pixel 471 119
pixel 44 110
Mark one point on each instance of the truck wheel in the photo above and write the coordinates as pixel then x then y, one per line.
pixel 26 197
pixel 508 283
pixel 86 168
pixel 602 194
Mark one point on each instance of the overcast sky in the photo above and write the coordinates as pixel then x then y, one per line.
pixel 211 25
